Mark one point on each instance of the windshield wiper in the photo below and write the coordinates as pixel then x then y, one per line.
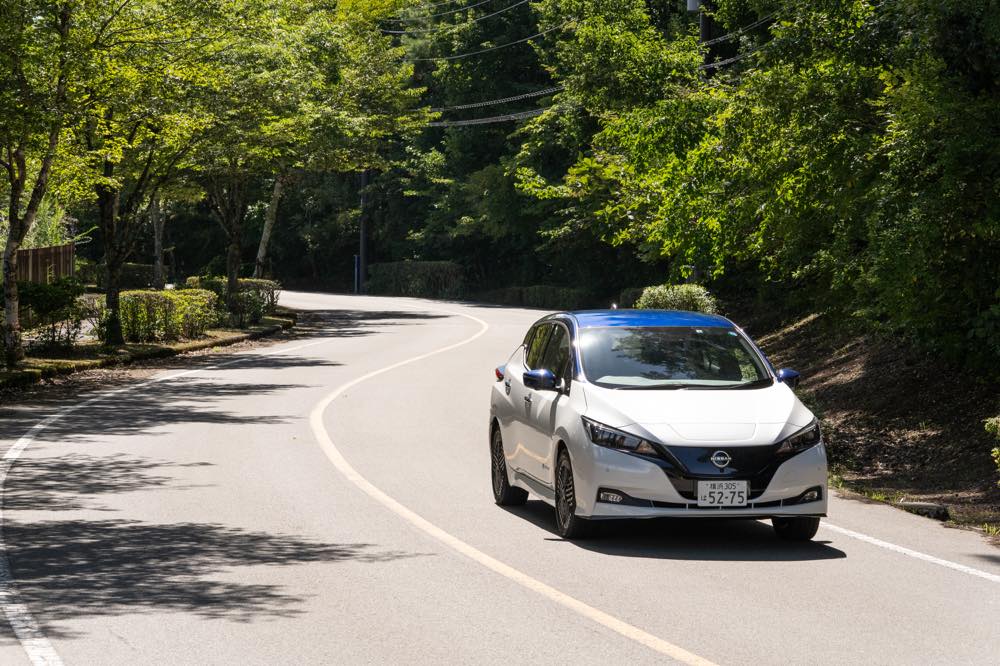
pixel 657 387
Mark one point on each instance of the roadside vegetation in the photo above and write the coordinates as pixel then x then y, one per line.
pixel 825 171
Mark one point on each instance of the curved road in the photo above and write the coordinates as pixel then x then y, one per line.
pixel 327 500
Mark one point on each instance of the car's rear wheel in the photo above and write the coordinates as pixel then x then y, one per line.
pixel 503 492
pixel 796 529
pixel 569 525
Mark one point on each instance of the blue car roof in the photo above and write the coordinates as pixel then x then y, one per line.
pixel 647 318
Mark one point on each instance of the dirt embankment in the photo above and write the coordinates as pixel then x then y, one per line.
pixel 899 425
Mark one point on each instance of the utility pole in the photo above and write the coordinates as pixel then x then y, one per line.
pixel 706 24
pixel 362 265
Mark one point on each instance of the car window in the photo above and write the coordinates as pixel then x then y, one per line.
pixel 556 356
pixel 536 348
pixel 671 357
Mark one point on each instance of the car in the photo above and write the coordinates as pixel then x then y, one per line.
pixel 612 414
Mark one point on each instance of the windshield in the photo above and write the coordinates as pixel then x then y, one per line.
pixel 681 357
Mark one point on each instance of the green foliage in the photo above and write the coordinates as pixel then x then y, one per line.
pixel 149 316
pixel 87 271
pixel 538 296
pixel 993 427
pixel 691 297
pixel 421 279
pixel 52 310
pixel 262 298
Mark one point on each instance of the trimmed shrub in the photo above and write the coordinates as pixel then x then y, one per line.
pixel 52 309
pixel 538 296
pixel 421 279
pixel 249 308
pixel 266 291
pixel 692 297
pixel 148 316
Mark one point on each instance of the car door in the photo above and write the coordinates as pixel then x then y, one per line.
pixel 543 406
pixel 521 398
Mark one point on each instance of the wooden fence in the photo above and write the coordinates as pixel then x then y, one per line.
pixel 45 264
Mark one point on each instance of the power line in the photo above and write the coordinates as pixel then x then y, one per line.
pixel 729 61
pixel 523 115
pixel 739 32
pixel 497 102
pixel 448 28
pixel 492 48
pixel 448 13
pixel 431 5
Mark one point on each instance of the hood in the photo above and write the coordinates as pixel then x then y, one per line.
pixel 696 417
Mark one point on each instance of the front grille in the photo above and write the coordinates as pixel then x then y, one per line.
pixel 686 465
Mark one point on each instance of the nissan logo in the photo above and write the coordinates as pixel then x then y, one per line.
pixel 721 459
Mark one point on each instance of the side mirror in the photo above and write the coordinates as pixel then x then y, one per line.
pixel 789 376
pixel 540 380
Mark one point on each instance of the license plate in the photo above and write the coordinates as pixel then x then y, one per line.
pixel 723 493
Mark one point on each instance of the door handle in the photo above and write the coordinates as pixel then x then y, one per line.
pixel 527 399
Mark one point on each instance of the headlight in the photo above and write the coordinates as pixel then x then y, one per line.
pixel 603 435
pixel 804 439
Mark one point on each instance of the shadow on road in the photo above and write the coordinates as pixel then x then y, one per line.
pixel 355 323
pixel 72 569
pixel 66 483
pixel 686 539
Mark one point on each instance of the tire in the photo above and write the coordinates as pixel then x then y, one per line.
pixel 795 529
pixel 568 524
pixel 503 493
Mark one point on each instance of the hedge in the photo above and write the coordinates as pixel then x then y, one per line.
pixel 148 316
pixel 691 297
pixel 421 279
pixel 53 310
pixel 539 296
pixel 254 299
pixel 993 427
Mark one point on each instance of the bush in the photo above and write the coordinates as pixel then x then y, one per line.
pixel 538 296
pixel 148 316
pixel 692 297
pixel 53 310
pixel 420 279
pixel 993 427
pixel 249 307
pixel 265 296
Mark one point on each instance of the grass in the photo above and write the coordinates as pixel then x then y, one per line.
pixel 93 355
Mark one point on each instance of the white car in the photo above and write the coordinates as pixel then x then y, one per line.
pixel 645 414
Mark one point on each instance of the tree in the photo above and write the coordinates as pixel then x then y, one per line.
pixel 36 63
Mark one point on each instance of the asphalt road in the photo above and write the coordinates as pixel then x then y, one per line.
pixel 327 500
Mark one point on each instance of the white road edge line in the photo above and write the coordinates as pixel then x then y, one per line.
pixel 915 554
pixel 600 617
pixel 29 633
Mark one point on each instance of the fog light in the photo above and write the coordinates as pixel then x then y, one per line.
pixel 811 496
pixel 610 497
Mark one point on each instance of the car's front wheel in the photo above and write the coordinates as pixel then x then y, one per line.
pixel 504 493
pixel 569 525
pixel 796 529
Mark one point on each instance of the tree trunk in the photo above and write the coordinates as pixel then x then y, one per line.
pixel 13 350
pixel 114 258
pixel 159 221
pixel 112 299
pixel 269 219
pixel 233 257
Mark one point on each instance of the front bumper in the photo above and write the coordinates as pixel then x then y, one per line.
pixel 662 491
